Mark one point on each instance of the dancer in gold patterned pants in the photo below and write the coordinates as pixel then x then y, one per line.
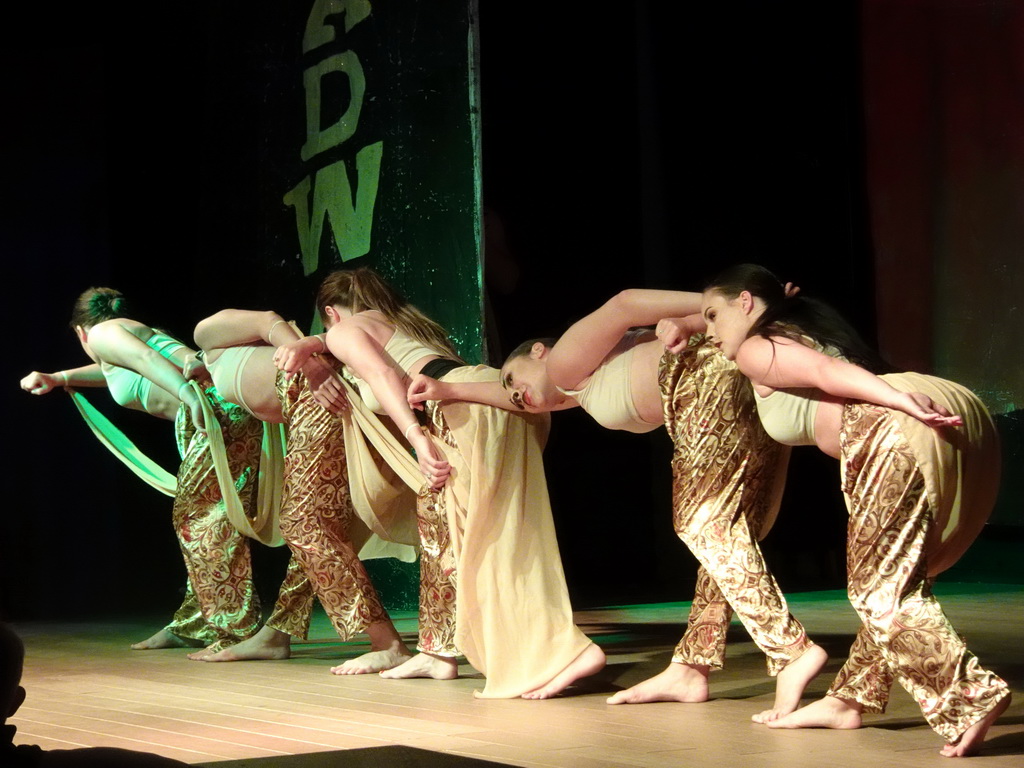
pixel 892 542
pixel 216 554
pixel 317 523
pixel 919 463
pixel 318 520
pixel 727 481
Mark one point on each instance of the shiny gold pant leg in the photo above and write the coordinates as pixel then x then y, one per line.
pixel 188 621
pixel 704 640
pixel 216 554
pixel 293 608
pixel 726 475
pixel 889 526
pixel 316 512
pixel 438 578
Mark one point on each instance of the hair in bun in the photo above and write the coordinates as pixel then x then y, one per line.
pixel 96 305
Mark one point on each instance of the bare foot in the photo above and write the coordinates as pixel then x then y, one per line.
pixel 164 639
pixel 374 661
pixel 424 665
pixel 790 683
pixel 970 743
pixel 266 645
pixel 587 663
pixel 829 712
pixel 687 683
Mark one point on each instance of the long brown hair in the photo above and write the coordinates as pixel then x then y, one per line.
pixel 362 289
pixel 796 316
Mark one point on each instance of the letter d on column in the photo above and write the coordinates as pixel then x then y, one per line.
pixel 319 139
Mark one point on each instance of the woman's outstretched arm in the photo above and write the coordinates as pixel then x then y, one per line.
pixel 423 388
pixel 39 383
pixel 239 327
pixel 353 343
pixel 583 347
pixel 782 363
pixel 245 327
pixel 113 343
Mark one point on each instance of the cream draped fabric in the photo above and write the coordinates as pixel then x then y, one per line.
pixel 961 465
pixel 513 617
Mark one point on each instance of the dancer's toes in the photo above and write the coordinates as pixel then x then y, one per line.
pixel 374 661
pixel 587 663
pixel 164 639
pixel 791 682
pixel 679 682
pixel 974 737
pixel 424 665
pixel 266 645
pixel 829 712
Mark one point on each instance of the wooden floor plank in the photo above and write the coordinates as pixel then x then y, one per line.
pixel 159 701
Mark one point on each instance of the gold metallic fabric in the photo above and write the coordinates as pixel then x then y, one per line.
pixel 317 514
pixel 893 531
pixel 728 477
pixel 216 554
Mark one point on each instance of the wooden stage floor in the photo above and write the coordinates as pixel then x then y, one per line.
pixel 85 688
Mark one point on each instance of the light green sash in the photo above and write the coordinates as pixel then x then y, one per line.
pixel 124 449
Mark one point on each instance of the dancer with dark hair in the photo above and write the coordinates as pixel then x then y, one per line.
pixel 919 464
pixel 727 474
pixel 142 369
pixel 492 584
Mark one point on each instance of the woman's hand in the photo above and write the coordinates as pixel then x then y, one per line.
pixel 423 388
pixel 924 409
pixel 292 356
pixel 325 386
pixel 39 383
pixel 674 333
pixel 194 367
pixel 188 395
pixel 433 465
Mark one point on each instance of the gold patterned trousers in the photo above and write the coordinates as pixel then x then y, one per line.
pixel 727 479
pixel 216 555
pixel 905 636
pixel 438 572
pixel 316 511
pixel 188 621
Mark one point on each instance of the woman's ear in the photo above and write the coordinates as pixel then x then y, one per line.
pixel 746 301
pixel 83 335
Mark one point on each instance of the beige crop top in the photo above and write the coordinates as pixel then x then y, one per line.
pixel 788 415
pixel 131 389
pixel 226 372
pixel 404 351
pixel 608 394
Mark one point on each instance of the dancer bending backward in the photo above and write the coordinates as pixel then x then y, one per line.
pixel 727 474
pixel 489 531
pixel 919 463
pixel 317 518
pixel 142 369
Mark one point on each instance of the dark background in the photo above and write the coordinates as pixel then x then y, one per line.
pixel 646 145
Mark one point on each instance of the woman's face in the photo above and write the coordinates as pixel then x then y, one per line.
pixel 526 380
pixel 728 320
